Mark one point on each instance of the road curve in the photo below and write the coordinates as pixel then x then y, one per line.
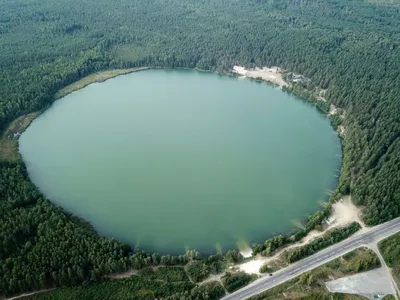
pixel 373 234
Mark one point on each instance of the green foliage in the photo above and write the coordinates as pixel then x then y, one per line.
pixel 198 271
pixel 306 279
pixel 349 255
pixel 331 237
pixel 360 260
pixel 46 46
pixel 264 268
pixel 336 120
pixel 233 256
pixel 271 245
pixel 141 259
pixel 304 92
pixel 365 264
pixel 390 249
pixel 210 291
pixel 348 47
pixel 166 274
pixel 217 263
pixel 163 282
pixel 336 263
pixel 41 246
pixel 172 274
pixel 141 286
pixel 356 261
pixel 234 281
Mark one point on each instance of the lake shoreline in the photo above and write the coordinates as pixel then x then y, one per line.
pixel 271 75
pixel 227 91
pixel 109 74
pixel 9 140
pixel 103 76
pixel 97 77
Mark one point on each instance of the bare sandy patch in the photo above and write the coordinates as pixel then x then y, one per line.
pixel 341 129
pixel 244 248
pixel 30 294
pixel 311 236
pixel 253 266
pixel 344 213
pixel 273 74
pixel 212 278
pixel 319 97
pixel 126 274
pixel 332 110
pixel 365 283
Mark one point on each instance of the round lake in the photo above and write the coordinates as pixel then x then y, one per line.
pixel 172 159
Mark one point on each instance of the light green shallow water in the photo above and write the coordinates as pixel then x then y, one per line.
pixel 173 159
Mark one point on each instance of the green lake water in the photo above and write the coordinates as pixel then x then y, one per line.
pixel 172 159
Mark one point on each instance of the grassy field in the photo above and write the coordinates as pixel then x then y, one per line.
pixel 9 140
pixel 96 77
pixel 390 249
pixel 311 285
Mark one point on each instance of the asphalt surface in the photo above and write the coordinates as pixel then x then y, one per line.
pixel 357 240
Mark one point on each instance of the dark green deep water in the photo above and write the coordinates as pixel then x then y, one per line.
pixel 173 159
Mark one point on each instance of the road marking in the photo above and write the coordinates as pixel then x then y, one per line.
pixel 380 232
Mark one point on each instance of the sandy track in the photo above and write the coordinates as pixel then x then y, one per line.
pixel 273 74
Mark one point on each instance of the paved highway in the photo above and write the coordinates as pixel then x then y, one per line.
pixel 373 235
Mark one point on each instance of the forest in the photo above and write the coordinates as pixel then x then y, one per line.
pixel 350 48
pixel 162 283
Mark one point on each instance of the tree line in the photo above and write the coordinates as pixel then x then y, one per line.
pixel 331 237
pixel 390 249
pixel 351 48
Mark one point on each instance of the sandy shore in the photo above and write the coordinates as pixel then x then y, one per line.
pixel 332 110
pixel 273 74
pixel 344 213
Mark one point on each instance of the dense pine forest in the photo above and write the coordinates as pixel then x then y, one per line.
pixel 350 48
